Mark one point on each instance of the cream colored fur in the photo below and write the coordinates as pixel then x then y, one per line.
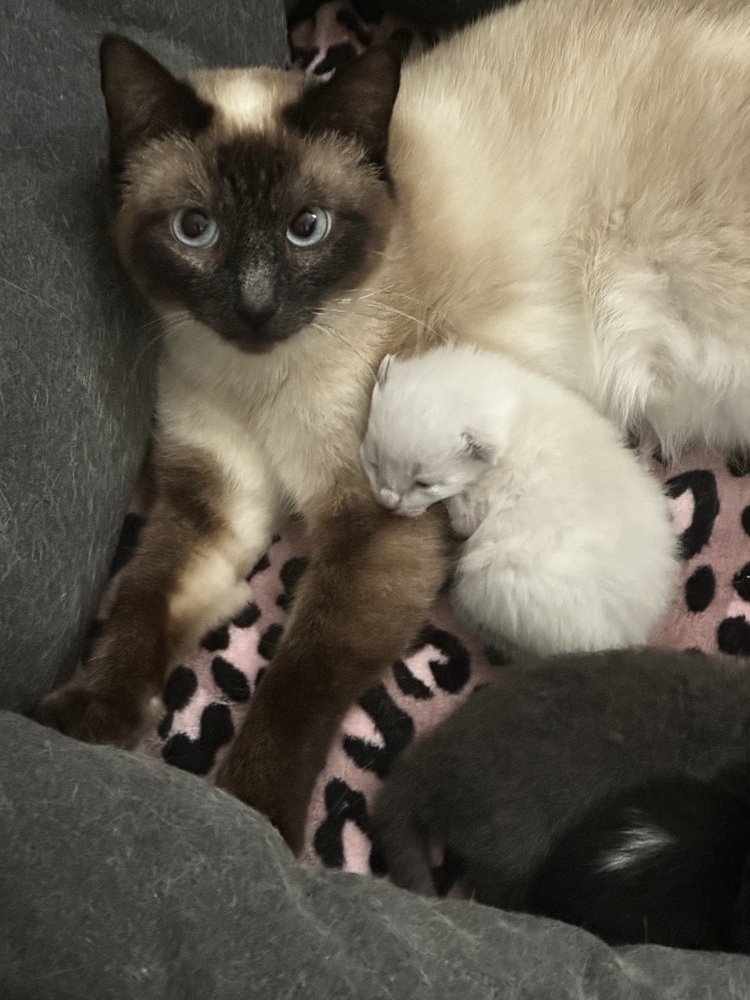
pixel 570 544
pixel 573 190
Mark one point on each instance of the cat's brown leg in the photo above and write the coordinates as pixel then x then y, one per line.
pixel 369 587
pixel 187 575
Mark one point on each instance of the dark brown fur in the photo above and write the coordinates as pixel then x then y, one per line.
pixel 109 701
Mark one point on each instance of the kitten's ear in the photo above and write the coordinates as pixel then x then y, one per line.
pixel 477 449
pixel 385 367
pixel 143 99
pixel 357 102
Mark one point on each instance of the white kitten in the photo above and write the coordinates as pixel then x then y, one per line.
pixel 570 545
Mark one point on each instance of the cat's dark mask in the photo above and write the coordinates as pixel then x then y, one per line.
pixel 248 198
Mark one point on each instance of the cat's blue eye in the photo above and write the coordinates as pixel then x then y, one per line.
pixel 194 228
pixel 309 227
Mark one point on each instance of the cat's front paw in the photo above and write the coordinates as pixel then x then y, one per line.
pixel 94 715
pixel 256 782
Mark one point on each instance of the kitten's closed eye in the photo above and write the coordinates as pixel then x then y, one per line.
pixel 422 484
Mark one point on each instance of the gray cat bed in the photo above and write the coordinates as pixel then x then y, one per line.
pixel 121 877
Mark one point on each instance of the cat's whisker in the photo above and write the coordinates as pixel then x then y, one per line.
pixel 441 337
pixel 337 335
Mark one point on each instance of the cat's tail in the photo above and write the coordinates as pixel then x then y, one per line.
pixel 400 841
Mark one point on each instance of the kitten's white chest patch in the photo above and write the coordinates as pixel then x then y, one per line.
pixel 639 843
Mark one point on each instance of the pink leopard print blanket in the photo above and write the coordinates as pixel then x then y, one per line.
pixel 206 696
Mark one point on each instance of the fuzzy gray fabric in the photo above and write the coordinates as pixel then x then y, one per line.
pixel 122 879
pixel 76 375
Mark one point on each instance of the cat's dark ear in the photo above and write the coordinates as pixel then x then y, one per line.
pixel 357 102
pixel 477 449
pixel 383 369
pixel 143 99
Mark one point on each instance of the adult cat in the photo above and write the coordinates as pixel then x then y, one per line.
pixel 567 181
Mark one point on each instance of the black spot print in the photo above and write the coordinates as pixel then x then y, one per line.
pixel 248 616
pixel 745 518
pixel 198 756
pixel 402 39
pixel 216 639
pixel 262 564
pixel 700 589
pixel 180 687
pixel 302 57
pixel 290 575
pixel 349 20
pixel 395 726
pixel 127 543
pixel 230 681
pixel 370 10
pixel 337 55
pixel 702 482
pixel 90 640
pixel 738 464
pixel 733 636
pixel 303 10
pixel 741 582
pixel 451 671
pixel 270 640
pixel 410 685
pixel 342 804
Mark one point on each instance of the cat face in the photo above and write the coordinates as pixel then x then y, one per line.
pixel 408 484
pixel 412 456
pixel 247 199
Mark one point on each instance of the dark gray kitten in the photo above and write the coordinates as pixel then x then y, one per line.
pixel 663 863
pixel 528 757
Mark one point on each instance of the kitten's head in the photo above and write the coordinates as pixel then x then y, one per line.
pixel 248 197
pixel 415 454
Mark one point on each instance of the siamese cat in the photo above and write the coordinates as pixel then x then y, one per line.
pixel 569 543
pixel 566 182
pixel 595 788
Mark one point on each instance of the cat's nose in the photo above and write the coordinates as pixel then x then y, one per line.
pixel 256 310
pixel 389 498
pixel 256 299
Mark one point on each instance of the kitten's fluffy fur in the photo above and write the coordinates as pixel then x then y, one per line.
pixel 664 863
pixel 526 757
pixel 571 546
pixel 566 182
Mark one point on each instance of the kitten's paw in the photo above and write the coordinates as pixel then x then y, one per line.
pixel 94 715
pixel 465 515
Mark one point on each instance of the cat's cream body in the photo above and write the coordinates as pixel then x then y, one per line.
pixel 579 199
pixel 570 547
pixel 566 182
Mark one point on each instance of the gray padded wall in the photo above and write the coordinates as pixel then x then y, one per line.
pixel 76 375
